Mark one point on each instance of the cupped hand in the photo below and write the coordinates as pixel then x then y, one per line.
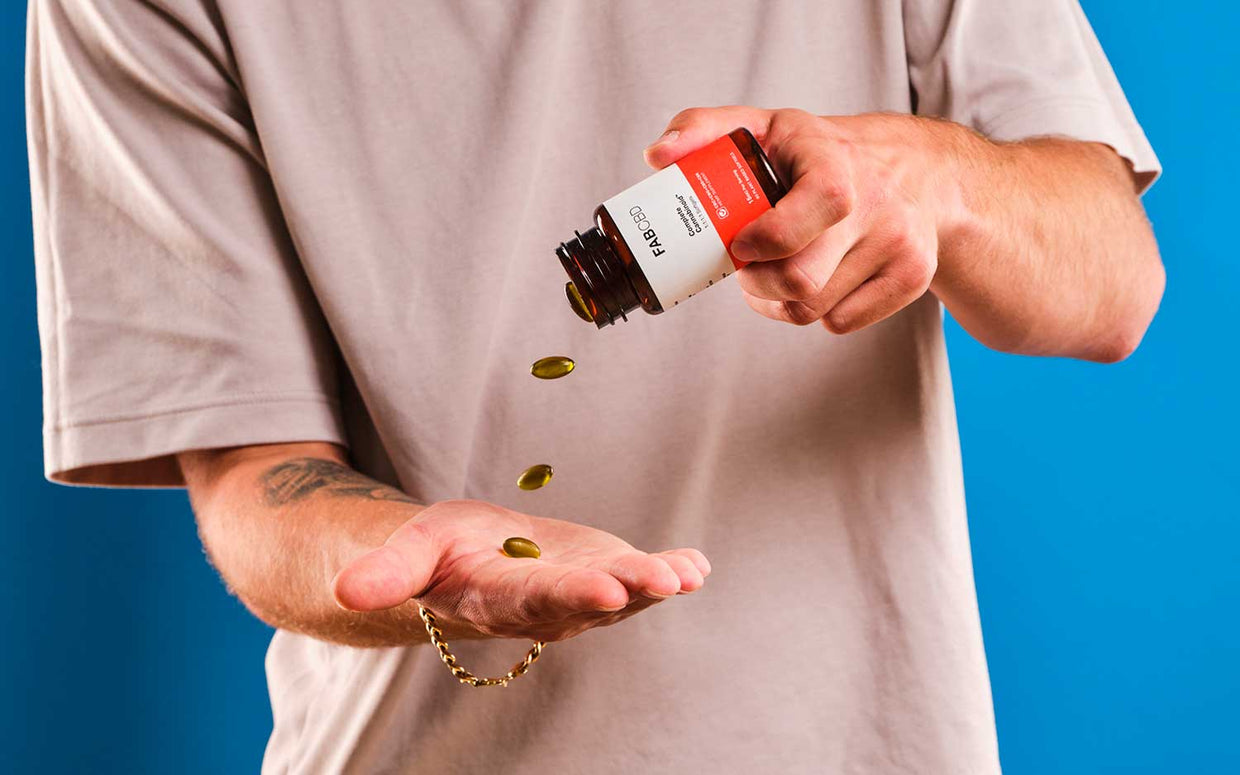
pixel 856 237
pixel 450 559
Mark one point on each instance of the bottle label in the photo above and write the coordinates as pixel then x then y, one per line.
pixel 680 221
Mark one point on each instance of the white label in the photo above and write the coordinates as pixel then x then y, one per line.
pixel 671 236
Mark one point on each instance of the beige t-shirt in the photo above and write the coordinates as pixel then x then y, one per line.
pixel 276 220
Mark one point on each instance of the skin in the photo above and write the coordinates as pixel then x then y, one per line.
pixel 1039 247
pixel 313 546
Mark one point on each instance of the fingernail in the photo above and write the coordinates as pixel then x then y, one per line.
pixel 666 137
pixel 744 251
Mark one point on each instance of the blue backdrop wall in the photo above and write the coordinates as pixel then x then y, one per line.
pixel 1102 499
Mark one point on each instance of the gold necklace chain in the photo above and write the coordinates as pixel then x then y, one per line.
pixel 463 675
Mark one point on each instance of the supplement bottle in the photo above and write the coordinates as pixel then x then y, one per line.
pixel 668 237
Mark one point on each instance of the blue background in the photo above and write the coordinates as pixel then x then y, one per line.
pixel 1102 502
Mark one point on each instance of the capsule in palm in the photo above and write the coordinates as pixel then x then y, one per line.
pixel 521 547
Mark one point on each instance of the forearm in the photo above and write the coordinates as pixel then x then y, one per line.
pixel 279 521
pixel 1047 249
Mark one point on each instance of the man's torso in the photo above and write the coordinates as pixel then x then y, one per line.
pixel 427 160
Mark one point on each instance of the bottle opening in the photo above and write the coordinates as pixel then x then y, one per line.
pixel 597 286
pixel 669 237
pixel 577 303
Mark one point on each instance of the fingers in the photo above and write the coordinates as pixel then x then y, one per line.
pixel 697 558
pixel 586 589
pixel 821 196
pixel 689 564
pixel 860 264
pixel 547 593
pixel 639 576
pixel 821 193
pixel 526 598
pixel 551 602
pixel 876 278
pixel 540 593
pixel 896 285
pixel 645 575
pixel 388 576
pixel 898 265
pixel 799 277
pixel 691 579
pixel 768 292
pixel 696 127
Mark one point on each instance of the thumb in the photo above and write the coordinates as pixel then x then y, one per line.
pixel 696 127
pixel 390 575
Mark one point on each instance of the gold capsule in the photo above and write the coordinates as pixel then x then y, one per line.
pixel 577 303
pixel 535 476
pixel 552 367
pixel 521 547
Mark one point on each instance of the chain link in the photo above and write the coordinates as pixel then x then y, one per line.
pixel 463 675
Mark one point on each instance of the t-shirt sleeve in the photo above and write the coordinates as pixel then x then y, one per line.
pixel 1014 69
pixel 173 311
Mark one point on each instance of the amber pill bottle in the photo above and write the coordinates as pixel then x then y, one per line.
pixel 668 237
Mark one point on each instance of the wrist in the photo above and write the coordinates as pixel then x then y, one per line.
pixel 953 156
pixel 949 151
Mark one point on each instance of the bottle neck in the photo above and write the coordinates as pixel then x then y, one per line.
pixel 599 276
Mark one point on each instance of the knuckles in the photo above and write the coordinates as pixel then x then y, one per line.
pixel 915 276
pixel 841 324
pixel 788 241
pixel 840 198
pixel 901 243
pixel 688 117
pixel 846 172
pixel 779 239
pixel 833 192
pixel 782 280
pixel 787 121
pixel 799 313
pixel 835 323
pixel 796 283
pixel 912 249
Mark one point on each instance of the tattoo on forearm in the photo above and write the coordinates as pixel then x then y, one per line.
pixel 294 480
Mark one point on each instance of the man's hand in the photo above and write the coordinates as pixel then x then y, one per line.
pixel 449 559
pixel 313 546
pixel 856 237
pixel 1039 247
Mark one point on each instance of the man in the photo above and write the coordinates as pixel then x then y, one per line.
pixel 297 256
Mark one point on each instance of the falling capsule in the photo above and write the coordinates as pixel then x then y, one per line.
pixel 535 476
pixel 552 367
pixel 521 547
pixel 577 303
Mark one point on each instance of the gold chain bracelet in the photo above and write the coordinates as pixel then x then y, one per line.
pixel 463 675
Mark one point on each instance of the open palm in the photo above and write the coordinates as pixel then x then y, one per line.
pixel 449 558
